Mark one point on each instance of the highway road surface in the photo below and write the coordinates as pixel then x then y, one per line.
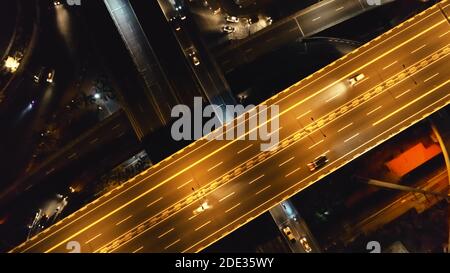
pixel 304 23
pixel 407 77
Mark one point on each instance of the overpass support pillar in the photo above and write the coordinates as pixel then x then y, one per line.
pixel 440 123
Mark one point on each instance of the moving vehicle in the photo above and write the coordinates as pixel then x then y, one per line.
pixel 319 162
pixel 228 29
pixel 175 22
pixel 50 75
pixel 192 52
pixel 232 19
pixel 39 74
pixel 353 80
pixel 288 232
pixel 304 242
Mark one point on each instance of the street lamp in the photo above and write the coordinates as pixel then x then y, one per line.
pixel 12 64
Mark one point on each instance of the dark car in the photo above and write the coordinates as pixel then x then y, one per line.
pixel 319 162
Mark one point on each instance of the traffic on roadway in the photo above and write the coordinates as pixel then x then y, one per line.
pixel 211 188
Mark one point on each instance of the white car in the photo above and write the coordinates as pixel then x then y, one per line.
pixel 193 54
pixel 232 19
pixel 288 232
pixel 228 29
pixel 204 206
pixel 353 80
pixel 51 75
pixel 195 60
pixel 304 242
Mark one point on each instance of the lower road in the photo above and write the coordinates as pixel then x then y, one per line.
pixel 209 189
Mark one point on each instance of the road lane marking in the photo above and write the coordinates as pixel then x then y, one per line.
pixel 165 233
pixel 184 184
pixel 352 137
pixel 93 140
pixel 314 145
pixel 120 222
pixel 386 67
pixel 137 250
pixel 258 192
pixel 442 35
pixel 358 56
pixel 93 238
pixel 46 173
pixel 227 196
pixel 166 247
pixel 251 182
pixel 214 166
pixel 374 110
pixel 427 79
pixel 192 217
pixel 159 199
pixel 233 207
pixel 200 227
pixel 271 133
pixel 415 50
pixel 306 178
pixel 245 148
pixel 292 172
pixel 341 8
pixel 333 97
pixel 386 39
pixel 410 103
pixel 116 126
pixel 403 93
pixel 315 19
pixel 372 61
pixel 286 161
pixel 304 114
pixel 345 127
pixel 316 6
pixel 72 156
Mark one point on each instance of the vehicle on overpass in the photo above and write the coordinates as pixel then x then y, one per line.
pixel 318 163
pixel 353 80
